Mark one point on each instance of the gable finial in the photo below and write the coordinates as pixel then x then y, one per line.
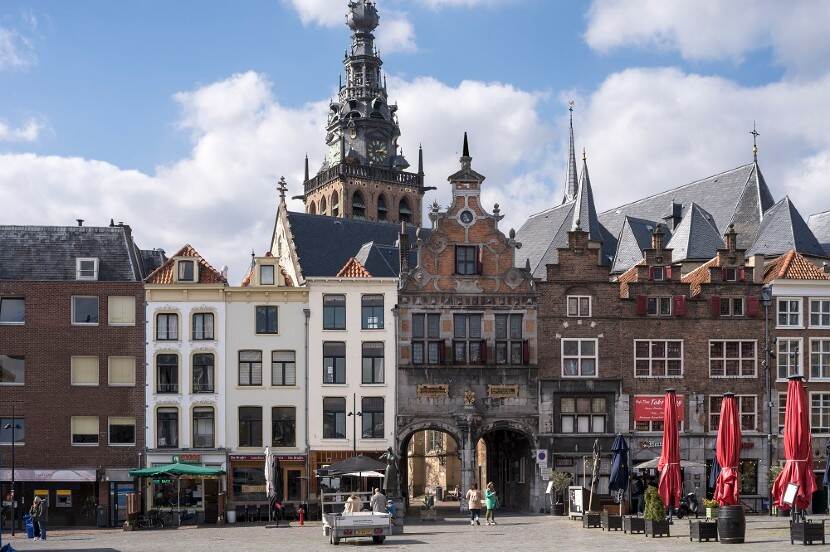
pixel 755 134
pixel 466 149
pixel 282 187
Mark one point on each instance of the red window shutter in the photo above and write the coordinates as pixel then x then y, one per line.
pixel 753 306
pixel 641 305
pixel 651 274
pixel 680 305
pixel 483 347
pixel 741 274
pixel 714 306
pixel 525 352
pixel 668 273
pixel 480 260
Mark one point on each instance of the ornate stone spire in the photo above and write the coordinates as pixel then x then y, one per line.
pixel 571 183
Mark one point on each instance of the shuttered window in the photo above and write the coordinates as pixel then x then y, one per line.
pixel 84 370
pixel 121 370
pixel 121 311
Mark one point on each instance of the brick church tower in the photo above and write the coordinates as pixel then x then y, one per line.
pixel 364 173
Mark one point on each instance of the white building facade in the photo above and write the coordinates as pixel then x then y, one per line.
pixel 185 379
pixel 266 385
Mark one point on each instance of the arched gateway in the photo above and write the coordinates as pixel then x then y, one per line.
pixel 467 351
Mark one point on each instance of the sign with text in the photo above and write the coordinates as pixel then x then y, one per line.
pixel 188 458
pixel 648 408
pixel 503 391
pixel 433 391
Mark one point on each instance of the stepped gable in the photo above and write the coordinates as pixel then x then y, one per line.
pixel 784 229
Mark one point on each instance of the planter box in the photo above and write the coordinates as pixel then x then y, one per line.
pixel 658 528
pixel 807 532
pixel 559 509
pixel 611 522
pixel 703 530
pixel 634 524
pixel 591 519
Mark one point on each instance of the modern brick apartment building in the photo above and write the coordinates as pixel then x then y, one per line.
pixel 71 367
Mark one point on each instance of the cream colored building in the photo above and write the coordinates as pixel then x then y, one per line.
pixel 266 383
pixel 185 377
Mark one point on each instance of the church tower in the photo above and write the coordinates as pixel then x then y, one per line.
pixel 364 174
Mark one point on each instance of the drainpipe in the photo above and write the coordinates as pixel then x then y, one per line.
pixel 307 314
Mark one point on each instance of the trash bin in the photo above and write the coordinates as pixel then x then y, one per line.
pixel 231 515
pixel 439 493
pixel 30 527
pixel 101 516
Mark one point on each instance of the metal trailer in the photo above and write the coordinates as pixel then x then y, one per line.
pixel 362 525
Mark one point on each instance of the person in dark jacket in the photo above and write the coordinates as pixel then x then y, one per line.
pixel 637 490
pixel 36 513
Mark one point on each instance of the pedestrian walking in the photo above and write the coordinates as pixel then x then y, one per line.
pixel 491 500
pixel 36 513
pixel 637 490
pixel 378 502
pixel 474 500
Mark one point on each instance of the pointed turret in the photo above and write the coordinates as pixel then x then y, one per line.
pixel 584 215
pixel 306 168
pixel 571 183
pixel 466 180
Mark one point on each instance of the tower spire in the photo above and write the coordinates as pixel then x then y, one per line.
pixel 306 168
pixel 755 134
pixel 420 159
pixel 572 182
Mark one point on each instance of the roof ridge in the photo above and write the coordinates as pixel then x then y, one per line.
pixel 675 189
pixel 543 211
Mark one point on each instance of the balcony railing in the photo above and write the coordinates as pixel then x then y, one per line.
pixel 346 170
pixel 202 387
pixel 167 388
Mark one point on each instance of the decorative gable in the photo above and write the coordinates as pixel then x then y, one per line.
pixel 353 269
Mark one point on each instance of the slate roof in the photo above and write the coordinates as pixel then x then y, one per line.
pixel 783 229
pixel 381 261
pixel 696 238
pixel 49 253
pixel 324 244
pixel 151 259
pixel 166 273
pixel 792 266
pixel 634 237
pixel 819 223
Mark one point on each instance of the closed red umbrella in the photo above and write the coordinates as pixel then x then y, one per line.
pixel 728 453
pixel 798 452
pixel 669 463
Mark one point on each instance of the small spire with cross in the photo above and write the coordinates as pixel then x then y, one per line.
pixel 282 187
pixel 755 134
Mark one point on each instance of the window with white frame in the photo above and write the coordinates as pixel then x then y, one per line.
pixel 789 312
pixel 732 358
pixel 658 358
pixel 167 326
pixel 731 306
pixel 582 414
pixel 283 368
pixel 121 431
pixel 782 412
pixel 121 310
pixel 579 306
pixel 202 329
pixel 84 370
pixel 121 371
pixel 789 357
pixel 84 430
pixel 658 306
pixel 84 310
pixel 12 310
pixel 820 412
pixel 266 275
pixel 819 358
pixel 579 358
pixel 730 274
pixel 658 274
pixel 186 271
pixel 747 411
pixel 86 268
pixel 820 313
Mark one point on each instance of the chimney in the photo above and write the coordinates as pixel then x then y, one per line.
pixel 731 239
pixel 80 222
pixel 657 238
pixel 403 248
pixel 757 264
pixel 675 214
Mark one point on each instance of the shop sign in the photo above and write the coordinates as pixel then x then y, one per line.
pixel 188 458
pixel 433 391
pixel 651 443
pixel 648 408
pixel 290 457
pixel 503 391
pixel 564 462
pixel 261 457
pixel 253 488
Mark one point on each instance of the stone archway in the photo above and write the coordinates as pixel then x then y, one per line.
pixel 430 461
pixel 505 456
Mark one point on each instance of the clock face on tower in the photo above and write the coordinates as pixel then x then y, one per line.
pixel 376 151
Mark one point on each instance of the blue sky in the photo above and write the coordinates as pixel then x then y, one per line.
pixel 104 105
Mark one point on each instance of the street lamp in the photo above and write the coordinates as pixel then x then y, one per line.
pixel 353 415
pixel 766 301
pixel 13 425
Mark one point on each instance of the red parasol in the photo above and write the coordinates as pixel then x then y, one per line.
pixel 798 452
pixel 669 463
pixel 728 453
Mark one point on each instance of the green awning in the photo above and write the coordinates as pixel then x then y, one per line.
pixel 177 470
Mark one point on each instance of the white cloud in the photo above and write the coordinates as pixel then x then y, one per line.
pixel 28 132
pixel 222 198
pixel 649 130
pixel 328 13
pixel 439 4
pixel 16 50
pixel 396 33
pixel 796 31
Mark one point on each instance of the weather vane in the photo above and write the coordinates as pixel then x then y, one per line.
pixel 755 134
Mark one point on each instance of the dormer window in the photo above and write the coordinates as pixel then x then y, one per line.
pixel 730 274
pixel 186 271
pixel 266 275
pixel 86 268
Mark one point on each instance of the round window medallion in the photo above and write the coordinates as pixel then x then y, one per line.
pixel 466 217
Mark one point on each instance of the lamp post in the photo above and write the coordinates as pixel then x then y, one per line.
pixel 766 301
pixel 353 415
pixel 14 425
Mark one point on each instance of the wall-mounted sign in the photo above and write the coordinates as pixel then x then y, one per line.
pixel 433 391
pixel 188 458
pixel 564 461
pixel 503 391
pixel 649 408
pixel 261 457
pixel 651 443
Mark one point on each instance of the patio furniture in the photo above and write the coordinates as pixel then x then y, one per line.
pixel 634 524
pixel 807 531
pixel 703 530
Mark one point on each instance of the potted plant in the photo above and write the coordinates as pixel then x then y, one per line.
pixel 561 481
pixel 656 523
pixel 711 508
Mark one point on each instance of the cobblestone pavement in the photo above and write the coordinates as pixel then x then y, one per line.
pixel 514 533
